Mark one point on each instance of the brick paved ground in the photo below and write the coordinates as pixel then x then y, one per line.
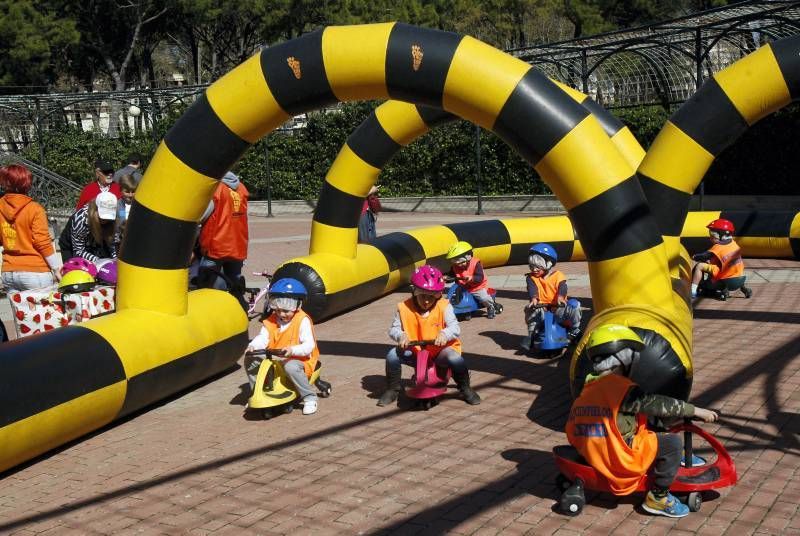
pixel 195 465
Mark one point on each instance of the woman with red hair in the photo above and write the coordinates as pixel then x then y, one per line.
pixel 29 259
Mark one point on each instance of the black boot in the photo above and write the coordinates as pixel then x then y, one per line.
pixel 392 388
pixel 462 381
pixel 490 312
pixel 527 342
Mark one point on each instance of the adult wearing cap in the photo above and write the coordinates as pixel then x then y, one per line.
pixel 89 233
pixel 103 171
pixel 29 260
pixel 607 423
pixel 224 236
pixel 132 168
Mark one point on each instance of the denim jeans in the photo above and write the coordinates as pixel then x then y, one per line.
pixel 231 269
pixel 27 280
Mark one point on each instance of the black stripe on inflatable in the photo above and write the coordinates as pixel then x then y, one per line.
pixel 433 117
pixel 338 208
pixel 611 125
pixel 202 141
pixel 372 143
pixel 316 302
pixel 145 224
pixel 169 378
pixel 536 116
pixel 417 62
pixel 42 371
pixel 295 73
pixel 710 118
pixel 695 244
pixel 787 53
pixel 755 223
pixel 521 252
pixel 795 243
pixel 481 233
pixel 668 204
pixel 400 249
pixel 345 300
pixel 616 223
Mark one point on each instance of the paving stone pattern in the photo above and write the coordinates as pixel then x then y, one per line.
pixel 195 465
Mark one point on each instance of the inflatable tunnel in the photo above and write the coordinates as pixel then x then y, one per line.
pixel 89 375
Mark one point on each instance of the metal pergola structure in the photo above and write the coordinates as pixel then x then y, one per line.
pixel 664 63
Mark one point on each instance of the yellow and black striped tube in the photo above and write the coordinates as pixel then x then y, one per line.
pixel 374 142
pixel 711 120
pixel 160 328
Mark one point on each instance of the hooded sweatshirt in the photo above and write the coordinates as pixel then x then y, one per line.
pixel 225 234
pixel 25 235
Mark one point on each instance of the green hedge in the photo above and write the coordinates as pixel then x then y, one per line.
pixel 762 161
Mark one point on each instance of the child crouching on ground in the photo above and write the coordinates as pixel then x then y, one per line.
pixel 290 331
pixel 607 423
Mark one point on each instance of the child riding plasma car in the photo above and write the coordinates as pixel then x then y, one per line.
pixel 467 271
pixel 547 286
pixel 426 316
pixel 290 330
pixel 722 261
pixel 607 423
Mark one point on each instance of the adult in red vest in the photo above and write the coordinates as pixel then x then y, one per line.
pixel 722 261
pixel 103 172
pixel 224 236
pixel 607 423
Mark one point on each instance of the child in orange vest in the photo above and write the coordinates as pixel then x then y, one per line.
pixel 607 423
pixel 546 285
pixel 722 261
pixel 467 270
pixel 291 330
pixel 426 315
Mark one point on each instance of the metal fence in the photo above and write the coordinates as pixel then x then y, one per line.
pixel 662 64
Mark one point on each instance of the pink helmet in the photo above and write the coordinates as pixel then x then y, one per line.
pixel 428 278
pixel 79 263
pixel 107 273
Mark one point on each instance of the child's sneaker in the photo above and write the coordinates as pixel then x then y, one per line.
pixel 309 407
pixel 668 506
pixel 574 334
pixel 697 461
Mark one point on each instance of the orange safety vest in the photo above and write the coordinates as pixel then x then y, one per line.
pixel 592 430
pixel 548 286
pixel 420 328
pixel 469 271
pixel 730 260
pixel 224 234
pixel 291 337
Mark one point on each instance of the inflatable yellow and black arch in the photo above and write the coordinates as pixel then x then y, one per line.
pixel 159 328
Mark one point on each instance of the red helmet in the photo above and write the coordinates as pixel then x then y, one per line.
pixel 721 224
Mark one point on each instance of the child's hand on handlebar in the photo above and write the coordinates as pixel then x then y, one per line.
pixel 533 303
pixel 403 342
pixel 706 415
pixel 441 339
pixel 562 300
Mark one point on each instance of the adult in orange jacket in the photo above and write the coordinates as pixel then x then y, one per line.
pixel 224 236
pixel 29 259
pixel 607 423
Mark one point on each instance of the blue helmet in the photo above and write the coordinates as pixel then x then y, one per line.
pixel 545 250
pixel 287 287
